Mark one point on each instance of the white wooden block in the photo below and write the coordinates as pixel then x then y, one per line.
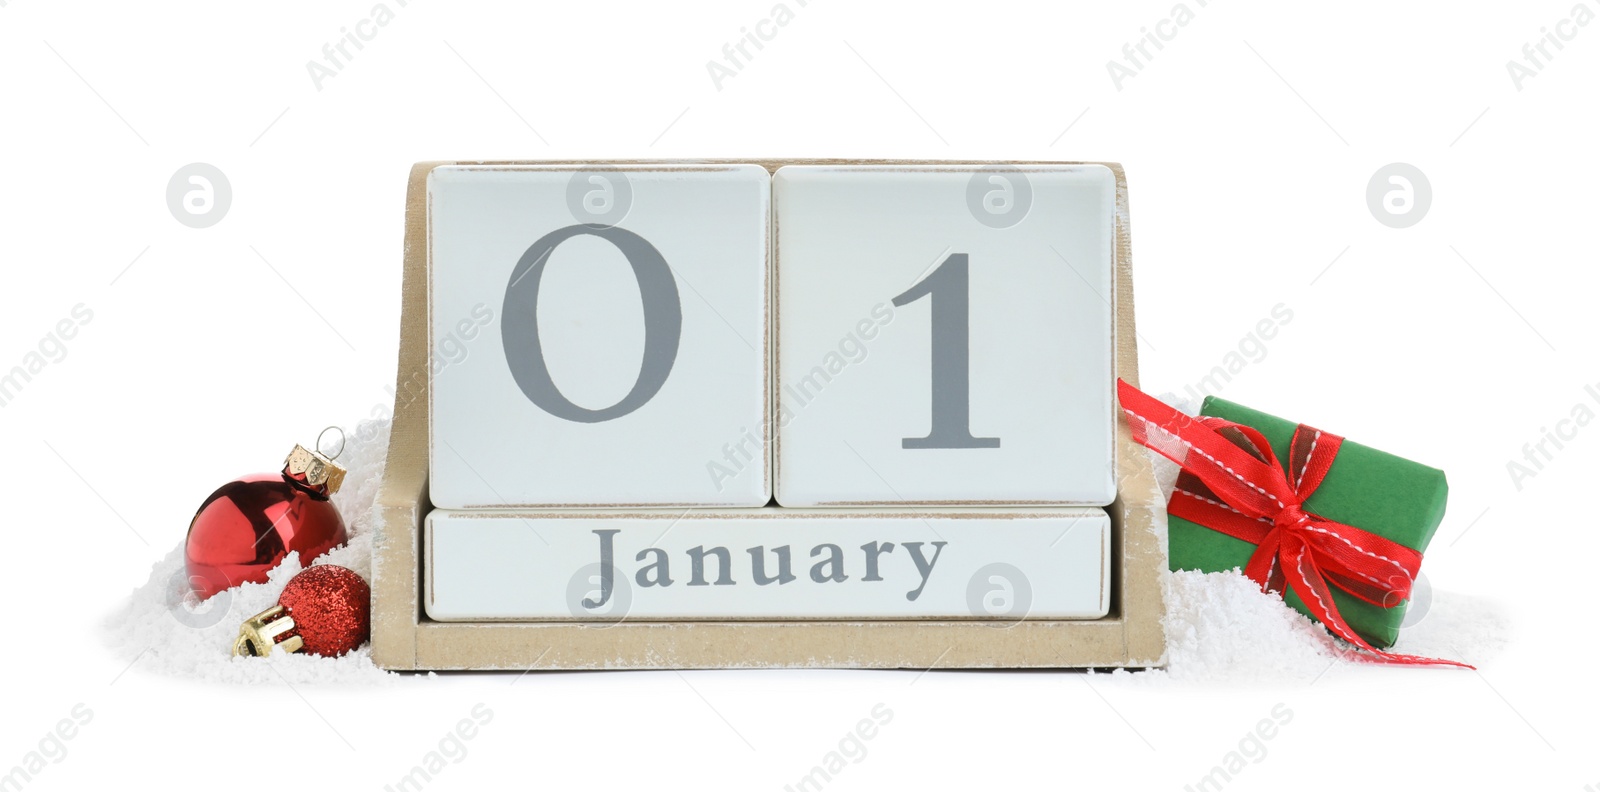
pixel 990 564
pixel 945 334
pixel 599 335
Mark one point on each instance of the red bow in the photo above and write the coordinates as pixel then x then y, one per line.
pixel 1232 483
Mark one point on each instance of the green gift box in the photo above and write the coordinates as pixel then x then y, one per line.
pixel 1378 492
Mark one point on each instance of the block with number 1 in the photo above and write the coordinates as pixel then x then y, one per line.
pixel 944 334
pixel 599 335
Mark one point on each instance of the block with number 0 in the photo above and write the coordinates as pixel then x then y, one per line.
pixel 599 335
pixel 945 334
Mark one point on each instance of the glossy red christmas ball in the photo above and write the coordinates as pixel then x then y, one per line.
pixel 250 524
pixel 331 607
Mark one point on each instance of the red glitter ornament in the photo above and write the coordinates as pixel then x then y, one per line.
pixel 332 607
pixel 325 610
pixel 251 524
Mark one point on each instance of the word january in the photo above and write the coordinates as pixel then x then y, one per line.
pixel 655 570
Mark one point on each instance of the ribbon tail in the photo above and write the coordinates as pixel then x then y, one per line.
pixel 1306 581
pixel 1263 567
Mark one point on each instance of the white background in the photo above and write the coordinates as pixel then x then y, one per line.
pixel 1249 142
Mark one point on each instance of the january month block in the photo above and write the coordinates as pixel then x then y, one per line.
pixel 993 565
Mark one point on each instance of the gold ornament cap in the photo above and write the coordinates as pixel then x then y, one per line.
pixel 315 468
pixel 261 633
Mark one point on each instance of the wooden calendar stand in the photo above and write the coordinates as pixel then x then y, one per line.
pixel 403 638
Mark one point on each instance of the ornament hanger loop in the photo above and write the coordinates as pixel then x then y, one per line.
pixel 334 455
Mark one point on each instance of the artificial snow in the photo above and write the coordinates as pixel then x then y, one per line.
pixel 1221 629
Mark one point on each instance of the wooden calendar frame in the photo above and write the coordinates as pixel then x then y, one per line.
pixel 404 638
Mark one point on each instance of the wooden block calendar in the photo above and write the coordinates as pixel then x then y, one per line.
pixel 698 414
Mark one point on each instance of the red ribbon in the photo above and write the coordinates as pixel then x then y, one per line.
pixel 1232 483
